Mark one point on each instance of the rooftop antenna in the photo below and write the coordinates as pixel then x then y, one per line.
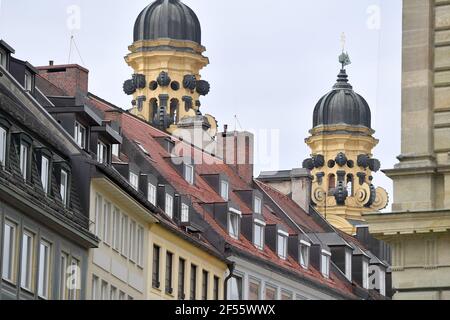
pixel 344 58
pixel 236 123
pixel 73 43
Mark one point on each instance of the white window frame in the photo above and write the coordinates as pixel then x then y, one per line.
pixel 98 215
pixel 44 272
pixel 169 205
pixel 189 173
pixel 124 234
pixel 365 274
pixel 133 241
pixel 74 292
pixel 112 293
pixel 325 263
pixel 282 244
pixel 259 228
pixel 104 290
pixel 107 217
pixel 45 173
pixel 140 246
pixel 64 187
pixel 27 260
pixel 63 290
pixel 80 135
pixel 95 288
pixel 24 156
pixel 28 79
pixel 225 190
pixel 184 213
pixel 9 251
pixel 116 150
pixel 102 152
pixel 234 223
pixel 3 145
pixel 134 180
pixel 117 220
pixel 304 251
pixel 348 264
pixel 151 194
pixel 3 59
pixel 258 205
pixel 382 282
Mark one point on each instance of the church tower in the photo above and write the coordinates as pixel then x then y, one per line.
pixel 342 163
pixel 167 56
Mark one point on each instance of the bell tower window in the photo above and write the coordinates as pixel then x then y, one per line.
pixel 331 182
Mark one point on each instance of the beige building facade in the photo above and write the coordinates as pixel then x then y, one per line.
pixel 418 226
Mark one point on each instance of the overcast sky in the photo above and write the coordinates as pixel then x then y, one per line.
pixel 271 61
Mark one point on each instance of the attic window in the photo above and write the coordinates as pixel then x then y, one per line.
pixel 28 81
pixel 3 59
pixel 184 213
pixel 304 254
pixel 282 244
pixel 169 205
pixel 102 152
pixel 348 265
pixel 258 205
pixel 134 181
pixel 258 237
pixel 3 144
pixel 234 221
pixel 80 135
pixel 365 274
pixel 224 190
pixel 325 265
pixel 24 159
pixel 115 150
pixel 189 173
pixel 45 173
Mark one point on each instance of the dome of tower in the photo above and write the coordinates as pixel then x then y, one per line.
pixel 342 106
pixel 167 19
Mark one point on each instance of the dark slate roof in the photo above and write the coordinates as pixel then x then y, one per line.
pixel 342 105
pixel 167 19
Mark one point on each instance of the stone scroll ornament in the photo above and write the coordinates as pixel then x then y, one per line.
pixel 341 159
pixel 203 87
pixel 163 79
pixel 190 82
pixel 135 83
pixel 139 81
pixel 129 87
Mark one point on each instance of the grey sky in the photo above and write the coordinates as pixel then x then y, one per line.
pixel 271 61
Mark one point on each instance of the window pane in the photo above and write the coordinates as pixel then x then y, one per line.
pixel 282 247
pixel 9 251
pixel 258 205
pixel 64 186
pixel 181 279
pixel 253 290
pixel 189 174
pixel 184 213
pixel 44 269
pixel 259 236
pixel 169 205
pixel 205 276
pixel 134 181
pixel 155 273
pixel 169 270
pixel 193 294
pixel 140 249
pixel 63 293
pixel 151 194
pixel 45 173
pixel 3 135
pixel 124 236
pixel 107 222
pixel 235 284
pixel 98 215
pixel 224 190
pixel 26 261
pixel 271 293
pixel 116 229
pixel 24 161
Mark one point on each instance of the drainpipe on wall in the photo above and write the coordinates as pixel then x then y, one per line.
pixel 231 267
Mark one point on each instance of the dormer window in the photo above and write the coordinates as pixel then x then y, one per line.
pixel 234 223
pixel 282 244
pixel 184 213
pixel 325 263
pixel 189 173
pixel 169 205
pixel 304 254
pixel 24 156
pixel 28 81
pixel 224 190
pixel 258 234
pixel 348 264
pixel 102 152
pixel 365 274
pixel 80 135
pixel 151 194
pixel 134 181
pixel 3 144
pixel 3 59
pixel 45 173
pixel 116 150
pixel 258 205
pixel 64 186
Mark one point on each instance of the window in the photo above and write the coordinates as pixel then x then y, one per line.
pixel 45 168
pixel 102 152
pixel 181 279
pixel 331 182
pixel 258 240
pixel 75 276
pixel 140 246
pixel 235 292
pixel 254 288
pixel 382 282
pixel 205 282
pixel 64 187
pixel 169 205
pixel 155 274
pixel 258 205
pixel 104 291
pixel 224 190
pixel 122 296
pixel 184 213
pixel 189 173
pixel 193 282
pixel 286 296
pixel 113 293
pixel 282 244
pixel 3 143
pixel 133 240
pixel 3 59
pixel 28 81
pixel 27 256
pixel 98 214
pixel 116 229
pixel 44 269
pixel 63 293
pixel 169 270
pixel 348 265
pixel 9 251
pixel 304 254
pixel 116 150
pixel 107 217
pixel 24 150
pixel 271 293
pixel 95 287
pixel 350 185
pixel 124 236
pixel 151 196
pixel 216 288
pixel 365 274
pixel 234 218
pixel 80 135
pixel 134 181
pixel 325 265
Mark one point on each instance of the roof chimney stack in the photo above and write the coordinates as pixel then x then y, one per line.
pixel 51 62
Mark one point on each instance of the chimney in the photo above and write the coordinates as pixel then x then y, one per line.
pixel 72 79
pixel 301 180
pixel 115 119
pixel 51 63
pixel 237 150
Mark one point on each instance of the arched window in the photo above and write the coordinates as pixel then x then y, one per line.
pixel 350 185
pixel 174 104
pixel 153 108
pixel 331 182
